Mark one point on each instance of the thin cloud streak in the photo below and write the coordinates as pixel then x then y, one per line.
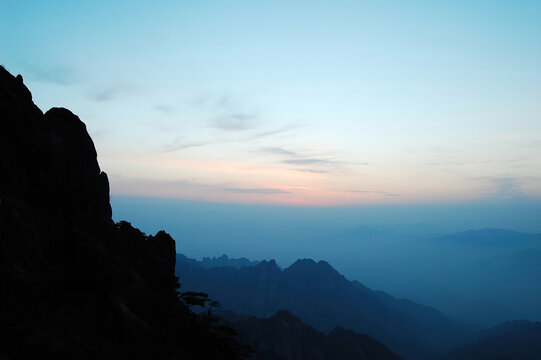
pixel 233 122
pixel 306 161
pixel 112 91
pixel 277 151
pixel 103 96
pixel 185 186
pixel 314 171
pixel 60 75
pixel 384 193
pixel 504 186
pixel 256 191
pixel 230 115
pixel 165 109
pixel 316 161
pixel 179 145
pixel 295 158
pixel 274 132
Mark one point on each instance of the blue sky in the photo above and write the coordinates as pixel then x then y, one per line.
pixel 294 102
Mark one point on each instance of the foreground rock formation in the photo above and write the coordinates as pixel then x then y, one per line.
pixel 73 284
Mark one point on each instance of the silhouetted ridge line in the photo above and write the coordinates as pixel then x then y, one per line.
pixel 491 237
pixel 285 336
pixel 224 260
pixel 324 298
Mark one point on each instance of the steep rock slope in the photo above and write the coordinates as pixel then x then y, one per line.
pixel 72 283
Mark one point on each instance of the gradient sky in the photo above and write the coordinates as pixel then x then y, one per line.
pixel 294 102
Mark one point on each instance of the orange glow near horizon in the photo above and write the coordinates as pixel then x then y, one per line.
pixel 296 193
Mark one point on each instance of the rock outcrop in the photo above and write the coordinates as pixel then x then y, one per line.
pixel 73 284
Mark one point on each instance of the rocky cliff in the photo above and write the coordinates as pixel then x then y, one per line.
pixel 73 284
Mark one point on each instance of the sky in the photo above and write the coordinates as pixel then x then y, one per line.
pixel 355 132
pixel 312 103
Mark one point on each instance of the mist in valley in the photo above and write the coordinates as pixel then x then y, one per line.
pixel 461 259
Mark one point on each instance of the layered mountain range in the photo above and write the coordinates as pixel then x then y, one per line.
pixel 74 284
pixel 323 298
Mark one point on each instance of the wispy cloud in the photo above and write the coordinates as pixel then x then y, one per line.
pixel 229 113
pixel 188 187
pixel 506 187
pixel 104 95
pixel 277 151
pixel 452 163
pixel 165 109
pixel 536 143
pixel 179 144
pixel 111 92
pixel 312 161
pixel 324 162
pixel 267 133
pixel 100 133
pixel 377 192
pixel 314 171
pixel 257 191
pixel 308 161
pixel 238 122
pixel 233 121
pixel 60 75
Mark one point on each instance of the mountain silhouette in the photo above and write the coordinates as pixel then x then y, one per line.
pixel 284 336
pixel 73 284
pixel 224 260
pixel 493 238
pixel 323 298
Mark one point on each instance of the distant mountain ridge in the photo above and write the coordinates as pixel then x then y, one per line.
pixel 492 237
pixel 485 276
pixel 323 298
pixel 511 340
pixel 224 260
pixel 514 327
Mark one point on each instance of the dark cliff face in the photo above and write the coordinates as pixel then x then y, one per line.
pixel 72 283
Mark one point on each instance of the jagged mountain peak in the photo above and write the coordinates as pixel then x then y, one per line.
pixel 323 298
pixel 268 264
pixel 310 268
